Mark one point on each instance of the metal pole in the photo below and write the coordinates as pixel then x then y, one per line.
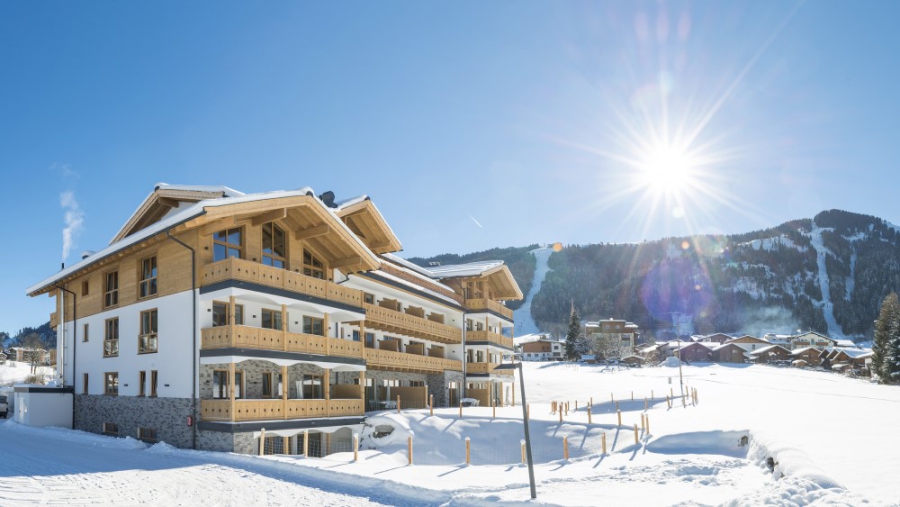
pixel 527 434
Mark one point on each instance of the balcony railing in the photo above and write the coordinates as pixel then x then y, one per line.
pixel 411 362
pixel 410 325
pixel 278 409
pixel 273 339
pixel 486 368
pixel 487 336
pixel 475 305
pixel 233 268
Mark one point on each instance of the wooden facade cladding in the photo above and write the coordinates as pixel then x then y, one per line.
pixel 235 336
pixel 487 336
pixel 477 305
pixel 54 319
pixel 399 361
pixel 392 321
pixel 264 410
pixel 248 271
pixel 403 275
pixel 486 369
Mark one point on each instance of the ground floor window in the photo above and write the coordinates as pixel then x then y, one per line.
pixel 147 435
pixel 111 429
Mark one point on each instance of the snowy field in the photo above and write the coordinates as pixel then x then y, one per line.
pixel 834 440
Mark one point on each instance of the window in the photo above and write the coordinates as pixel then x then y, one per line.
pixel 312 325
pixel 267 385
pixel 111 338
pixel 273 245
pixel 154 379
pixel 84 336
pixel 220 384
pixel 147 435
pixel 355 335
pixel 370 340
pixel 149 272
pixel 111 289
pixel 227 244
pixel 111 429
pixel 85 288
pixel 271 319
pixel 147 341
pixel 369 298
pixel 312 266
pixel 416 383
pixel 111 383
pixel 220 314
pixel 312 387
pixel 142 382
pixel 84 383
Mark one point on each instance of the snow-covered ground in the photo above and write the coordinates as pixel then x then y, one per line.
pixel 12 372
pixel 833 438
pixel 522 315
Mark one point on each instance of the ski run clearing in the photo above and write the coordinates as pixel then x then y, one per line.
pixel 834 440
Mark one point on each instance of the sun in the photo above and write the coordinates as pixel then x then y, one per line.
pixel 667 169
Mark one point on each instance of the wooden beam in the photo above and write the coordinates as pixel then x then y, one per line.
pixel 349 261
pixel 312 232
pixel 264 218
pixel 214 226
pixel 167 202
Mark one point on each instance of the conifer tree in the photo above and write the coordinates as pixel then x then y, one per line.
pixel 573 334
pixel 884 346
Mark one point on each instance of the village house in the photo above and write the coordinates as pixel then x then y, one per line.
pixel 811 339
pixel 214 314
pixel 613 331
pixel 543 348
pixel 770 354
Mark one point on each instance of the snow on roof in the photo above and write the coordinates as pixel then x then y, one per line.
pixel 409 265
pixel 797 352
pixel 534 337
pixel 397 279
pixel 468 269
pixel 845 343
pixel 766 349
pixel 857 353
pixel 226 191
pixel 184 215
pixel 339 205
pixel 726 345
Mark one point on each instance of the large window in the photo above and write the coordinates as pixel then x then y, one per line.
pixel 220 384
pixel 312 325
pixel 267 385
pixel 221 317
pixel 142 383
pixel 312 387
pixel 271 319
pixel 111 338
pixel 148 286
pixel 111 289
pixel 154 381
pixel 227 243
pixel 313 266
pixel 111 383
pixel 273 246
pixel 147 341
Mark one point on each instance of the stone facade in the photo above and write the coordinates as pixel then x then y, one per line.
pixel 253 374
pixel 241 443
pixel 168 416
pixel 438 384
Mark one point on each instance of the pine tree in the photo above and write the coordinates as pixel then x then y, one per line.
pixel 572 335
pixel 891 366
pixel 883 344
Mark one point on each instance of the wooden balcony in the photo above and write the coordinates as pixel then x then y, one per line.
pixel 388 359
pixel 476 305
pixel 272 339
pixel 239 269
pixel 486 368
pixel 393 321
pixel 487 336
pixel 54 319
pixel 278 409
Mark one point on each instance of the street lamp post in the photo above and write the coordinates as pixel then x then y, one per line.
pixel 518 366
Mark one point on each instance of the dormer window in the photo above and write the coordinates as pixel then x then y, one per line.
pixel 273 246
pixel 227 243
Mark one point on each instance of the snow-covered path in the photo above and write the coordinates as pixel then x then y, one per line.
pixel 818 245
pixel 522 315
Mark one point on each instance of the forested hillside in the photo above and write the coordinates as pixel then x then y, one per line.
pixel 769 280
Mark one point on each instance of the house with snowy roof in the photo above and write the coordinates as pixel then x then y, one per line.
pixel 770 354
pixel 729 353
pixel 617 330
pixel 543 348
pixel 213 314
pixel 749 343
pixel 811 339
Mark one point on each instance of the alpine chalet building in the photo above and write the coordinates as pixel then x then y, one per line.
pixel 214 315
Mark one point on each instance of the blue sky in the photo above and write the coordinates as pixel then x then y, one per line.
pixel 470 124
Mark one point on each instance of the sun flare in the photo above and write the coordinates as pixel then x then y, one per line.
pixel 667 169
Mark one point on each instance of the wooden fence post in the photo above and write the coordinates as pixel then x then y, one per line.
pixel 603 442
pixel 589 416
pixel 528 412
pixel 619 414
pixel 262 441
pixel 494 408
pixel 617 406
pixel 642 422
pixel 632 395
pixel 591 401
pixel 522 444
pixel 560 416
pixel 409 444
pixel 669 401
pixel 646 404
pixel 565 447
pixel 356 447
pixel 398 404
pixel 576 405
pixel 636 440
pixel 306 443
pixel 468 451
pixel 431 404
pixel 460 410
pixel 648 423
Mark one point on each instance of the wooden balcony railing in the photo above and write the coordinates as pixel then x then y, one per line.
pixel 54 319
pixel 403 275
pixel 273 339
pixel 475 305
pixel 486 368
pixel 487 336
pixel 396 322
pixel 239 269
pixel 409 362
pixel 277 409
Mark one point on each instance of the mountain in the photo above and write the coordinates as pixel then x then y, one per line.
pixel 828 274
pixel 47 334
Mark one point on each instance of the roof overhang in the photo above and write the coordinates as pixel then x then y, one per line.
pixel 364 219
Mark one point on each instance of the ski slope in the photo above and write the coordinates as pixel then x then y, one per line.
pixel 522 315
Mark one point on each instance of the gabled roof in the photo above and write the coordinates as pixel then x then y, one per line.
pixel 768 349
pixel 807 333
pixel 724 346
pixel 747 339
pixel 497 274
pixel 364 219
